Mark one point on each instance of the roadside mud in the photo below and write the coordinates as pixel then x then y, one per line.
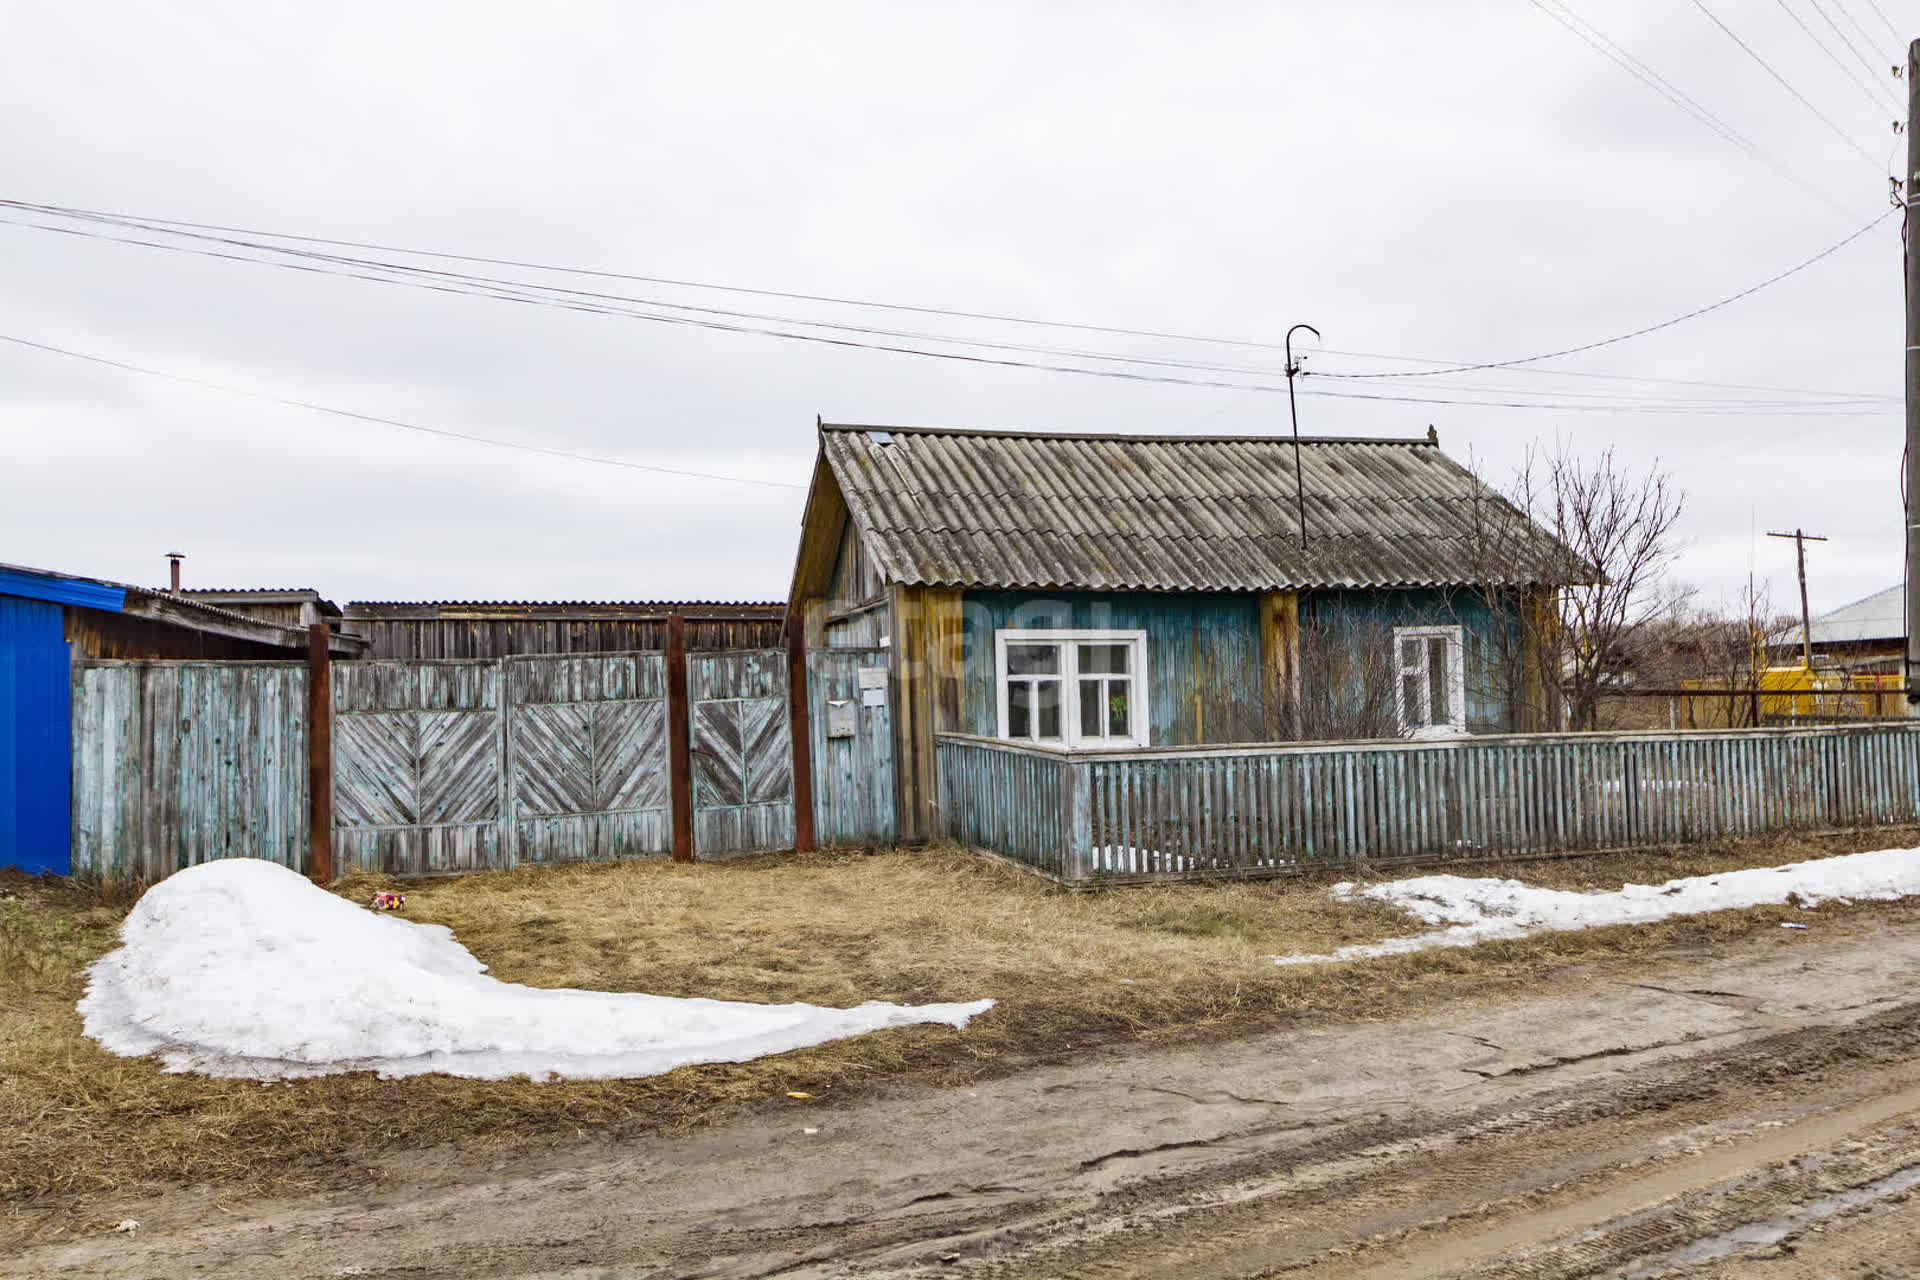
pixel 1733 1114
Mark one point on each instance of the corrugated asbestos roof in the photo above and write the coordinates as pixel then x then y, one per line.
pixel 1880 616
pixel 1172 513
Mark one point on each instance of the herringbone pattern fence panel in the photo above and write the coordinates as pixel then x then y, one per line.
pixel 417 766
pixel 742 752
pixel 589 748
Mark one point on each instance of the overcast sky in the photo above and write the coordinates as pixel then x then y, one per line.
pixel 1460 181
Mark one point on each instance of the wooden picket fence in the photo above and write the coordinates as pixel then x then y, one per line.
pixel 1110 817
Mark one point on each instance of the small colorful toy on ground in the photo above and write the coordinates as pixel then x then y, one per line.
pixel 385 901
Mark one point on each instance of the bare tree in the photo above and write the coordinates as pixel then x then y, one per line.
pixel 1617 527
pixel 1346 680
pixel 1565 612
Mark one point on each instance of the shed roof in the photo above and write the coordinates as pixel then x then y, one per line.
pixel 162 606
pixel 942 507
pixel 1880 616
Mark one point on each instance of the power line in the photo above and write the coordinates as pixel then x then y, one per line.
pixel 1787 85
pixel 1844 38
pixel 1749 291
pixel 1852 75
pixel 1598 40
pixel 393 422
pixel 516 291
pixel 1880 14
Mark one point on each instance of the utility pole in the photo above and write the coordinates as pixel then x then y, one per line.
pixel 1293 367
pixel 1800 540
pixel 1912 267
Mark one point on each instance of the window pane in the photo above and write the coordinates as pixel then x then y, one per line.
pixel 1410 654
pixel 1103 659
pixel 1089 708
pixel 1019 713
pixel 1411 710
pixel 1117 708
pixel 1437 680
pixel 1046 700
pixel 1033 659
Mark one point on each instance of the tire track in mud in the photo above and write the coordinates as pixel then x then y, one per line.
pixel 1454 1193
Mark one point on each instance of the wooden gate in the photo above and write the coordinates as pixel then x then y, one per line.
pixel 417 775
pixel 851 719
pixel 742 751
pixel 587 751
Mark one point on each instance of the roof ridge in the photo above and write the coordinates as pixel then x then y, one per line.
pixel 1135 438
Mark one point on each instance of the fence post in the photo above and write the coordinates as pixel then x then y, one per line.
pixel 319 756
pixel 1076 820
pixel 679 752
pixel 800 721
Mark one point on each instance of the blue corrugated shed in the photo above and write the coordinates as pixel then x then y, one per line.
pixel 35 732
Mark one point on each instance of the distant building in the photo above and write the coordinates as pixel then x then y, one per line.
pixel 1869 635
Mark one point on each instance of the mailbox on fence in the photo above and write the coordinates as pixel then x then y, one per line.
pixel 840 718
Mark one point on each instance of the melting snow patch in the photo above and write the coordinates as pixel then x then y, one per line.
pixel 242 968
pixel 1474 911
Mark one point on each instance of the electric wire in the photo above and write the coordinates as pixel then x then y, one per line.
pixel 1749 291
pixel 1864 61
pixel 512 292
pixel 157 224
pixel 1880 14
pixel 377 420
pixel 1598 40
pixel 1786 84
pixel 523 292
pixel 1852 75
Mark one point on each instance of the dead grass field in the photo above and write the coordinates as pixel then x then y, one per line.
pixel 1169 963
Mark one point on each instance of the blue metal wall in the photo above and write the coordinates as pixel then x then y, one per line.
pixel 35 732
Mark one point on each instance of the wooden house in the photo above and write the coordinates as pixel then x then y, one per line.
pixel 1111 592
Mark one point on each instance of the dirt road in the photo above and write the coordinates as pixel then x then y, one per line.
pixel 1755 1113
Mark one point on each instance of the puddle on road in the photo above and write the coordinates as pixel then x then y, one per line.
pixel 1771 1231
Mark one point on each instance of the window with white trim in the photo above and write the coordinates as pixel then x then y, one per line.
pixel 1430 678
pixel 1072 688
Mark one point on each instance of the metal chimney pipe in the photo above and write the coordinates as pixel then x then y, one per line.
pixel 173 567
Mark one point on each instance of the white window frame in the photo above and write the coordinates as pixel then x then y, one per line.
pixel 1455 636
pixel 1069 642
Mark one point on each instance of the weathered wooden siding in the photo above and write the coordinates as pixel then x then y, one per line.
pixel 417 766
pixel 177 763
pixel 742 751
pixel 445 632
pixel 587 757
pixel 853 795
pixel 1203 657
pixel 1275 810
pixel 1368 618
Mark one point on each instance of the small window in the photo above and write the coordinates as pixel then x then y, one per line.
pixel 1072 688
pixel 1430 684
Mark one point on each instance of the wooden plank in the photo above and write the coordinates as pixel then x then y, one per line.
pixel 679 760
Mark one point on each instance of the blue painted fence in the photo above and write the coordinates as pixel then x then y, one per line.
pixel 1277 810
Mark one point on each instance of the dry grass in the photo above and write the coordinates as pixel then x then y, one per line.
pixel 1163 964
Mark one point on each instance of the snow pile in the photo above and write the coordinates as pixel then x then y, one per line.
pixel 242 968
pixel 1477 910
